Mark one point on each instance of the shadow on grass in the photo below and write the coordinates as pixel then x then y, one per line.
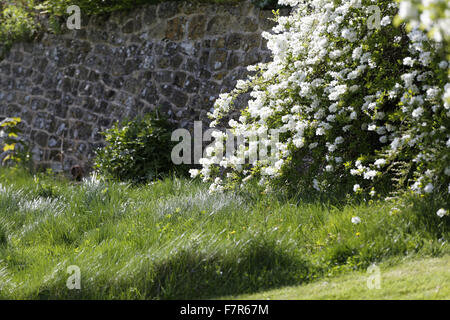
pixel 193 273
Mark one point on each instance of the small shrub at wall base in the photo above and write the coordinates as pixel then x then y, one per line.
pixel 138 150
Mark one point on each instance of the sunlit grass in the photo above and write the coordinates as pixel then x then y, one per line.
pixel 415 279
pixel 171 239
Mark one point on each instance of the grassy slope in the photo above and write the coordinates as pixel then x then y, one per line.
pixel 416 279
pixel 172 239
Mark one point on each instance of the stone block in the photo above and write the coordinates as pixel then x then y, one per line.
pixel 197 27
pixel 175 28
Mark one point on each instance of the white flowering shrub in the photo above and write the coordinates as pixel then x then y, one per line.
pixel 356 105
pixel 430 15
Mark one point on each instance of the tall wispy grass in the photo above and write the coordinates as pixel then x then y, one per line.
pixel 172 239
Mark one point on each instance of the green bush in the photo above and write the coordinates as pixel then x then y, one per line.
pixel 16 23
pixel 138 150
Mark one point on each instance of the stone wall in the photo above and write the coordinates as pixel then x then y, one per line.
pixel 68 88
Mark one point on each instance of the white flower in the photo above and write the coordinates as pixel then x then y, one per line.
pixel 279 164
pixel 432 93
pixel 333 107
pixel 339 140
pixel 417 112
pixel 353 88
pixel 356 220
pixel 370 174
pixel 350 35
pixel 357 52
pixel 337 92
pixel 443 64
pixel 441 212
pixel 194 172
pixel 332 147
pixel 241 84
pixel 428 188
pixel 385 21
pixel 380 162
pixel 408 78
pixel 447 170
pixel 408 61
pixel 316 185
pixel 270 171
pixel 381 130
pixel 356 187
pixel 425 58
pixel 407 10
pixel 320 131
pixel 335 54
pixel 299 142
pixel 307 101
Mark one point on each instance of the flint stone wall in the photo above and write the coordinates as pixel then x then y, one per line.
pixel 68 88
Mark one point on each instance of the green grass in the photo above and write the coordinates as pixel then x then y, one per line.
pixel 412 280
pixel 172 239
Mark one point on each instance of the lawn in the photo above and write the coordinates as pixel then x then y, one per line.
pixel 412 280
pixel 171 239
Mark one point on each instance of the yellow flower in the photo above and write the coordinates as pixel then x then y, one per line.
pixel 358 234
pixel 9 147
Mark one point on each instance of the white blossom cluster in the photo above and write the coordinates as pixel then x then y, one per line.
pixel 334 88
pixel 431 15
